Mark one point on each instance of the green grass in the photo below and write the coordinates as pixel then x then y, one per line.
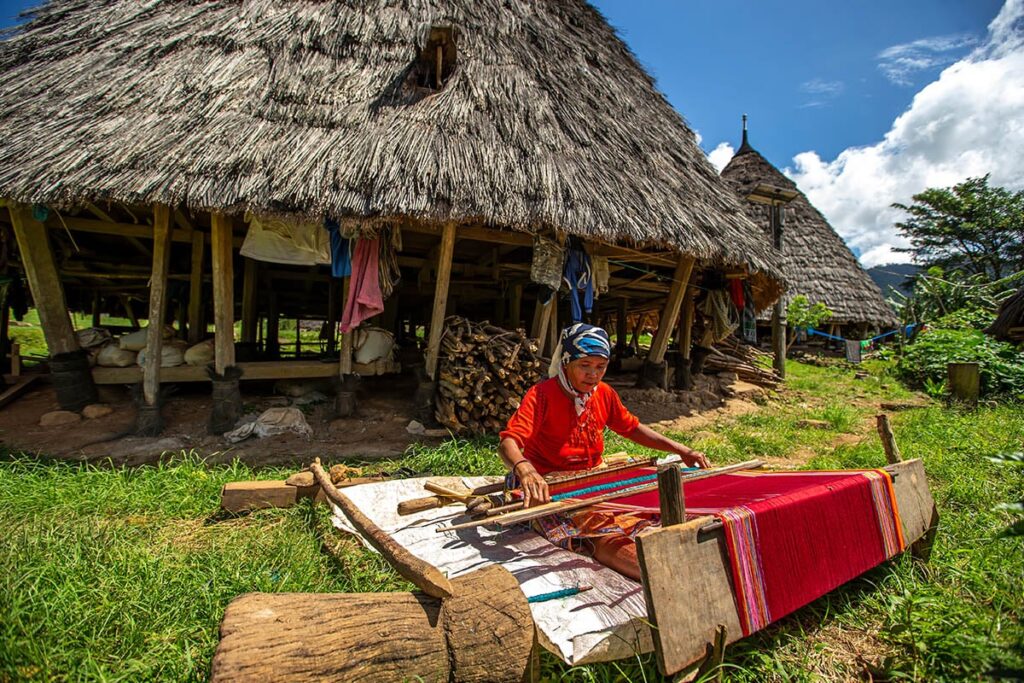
pixel 124 574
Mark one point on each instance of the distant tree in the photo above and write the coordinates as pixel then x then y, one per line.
pixel 801 315
pixel 970 227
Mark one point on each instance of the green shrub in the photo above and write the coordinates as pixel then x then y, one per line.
pixel 1002 366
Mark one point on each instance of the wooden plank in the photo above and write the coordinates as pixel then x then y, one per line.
pixel 122 229
pixel 223 292
pixel 43 280
pixel 670 314
pixel 469 232
pixel 444 272
pixel 670 496
pixel 688 585
pixel 282 369
pixel 196 324
pixel 249 300
pixel 19 388
pixel 157 303
pixel 241 496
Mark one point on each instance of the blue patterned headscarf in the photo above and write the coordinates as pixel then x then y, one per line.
pixel 579 340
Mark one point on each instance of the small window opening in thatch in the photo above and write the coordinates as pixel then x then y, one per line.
pixel 437 59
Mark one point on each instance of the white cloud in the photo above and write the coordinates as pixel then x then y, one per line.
pixel 721 155
pixel 818 86
pixel 968 122
pixel 899 63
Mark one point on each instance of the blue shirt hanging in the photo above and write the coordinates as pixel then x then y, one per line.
pixel 579 275
pixel 341 249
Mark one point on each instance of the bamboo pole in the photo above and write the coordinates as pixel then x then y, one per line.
pixel 196 326
pixel 157 303
pixel 223 292
pixel 444 272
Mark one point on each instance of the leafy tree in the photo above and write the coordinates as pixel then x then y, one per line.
pixel 969 227
pixel 800 314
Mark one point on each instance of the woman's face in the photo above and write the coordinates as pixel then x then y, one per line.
pixel 584 373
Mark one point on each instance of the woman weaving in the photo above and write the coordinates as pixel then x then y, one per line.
pixel 559 426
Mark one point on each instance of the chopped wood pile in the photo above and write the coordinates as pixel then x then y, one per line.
pixel 743 359
pixel 483 371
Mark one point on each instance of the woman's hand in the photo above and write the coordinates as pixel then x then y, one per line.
pixel 693 458
pixel 535 489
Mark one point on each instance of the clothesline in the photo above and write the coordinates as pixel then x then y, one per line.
pixel 906 330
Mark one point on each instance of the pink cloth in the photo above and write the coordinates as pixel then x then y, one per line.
pixel 364 297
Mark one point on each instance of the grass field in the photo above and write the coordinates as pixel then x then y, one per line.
pixel 124 574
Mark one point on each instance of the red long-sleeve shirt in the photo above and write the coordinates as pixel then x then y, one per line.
pixel 553 437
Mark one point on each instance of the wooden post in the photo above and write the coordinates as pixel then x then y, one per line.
pixel 223 292
pixel 273 345
pixel 444 271
pixel 892 451
pixel 670 313
pixel 249 301
pixel 684 377
pixel 298 337
pixel 96 309
pixel 516 306
pixel 541 320
pixel 196 325
pixel 157 303
pixel 621 327
pixel 345 359
pixel 965 381
pixel 126 302
pixel 15 358
pixel 670 496
pixel 43 280
pixel 553 330
pixel 332 314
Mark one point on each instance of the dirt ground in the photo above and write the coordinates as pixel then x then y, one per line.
pixel 379 430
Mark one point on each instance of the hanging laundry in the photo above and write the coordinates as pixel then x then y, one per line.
pixel 721 317
pixel 389 272
pixel 364 295
pixel 601 274
pixel 546 266
pixel 578 276
pixel 278 240
pixel 341 249
pixel 736 293
pixel 748 320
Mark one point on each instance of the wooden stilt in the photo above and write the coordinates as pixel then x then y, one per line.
pixel 621 327
pixel 516 306
pixel 332 315
pixel 196 324
pixel 129 311
pixel 670 313
pixel 298 338
pixel 96 303
pixel 223 292
pixel 444 270
pixel 249 301
pixel 345 358
pixel 541 320
pixel 43 280
pixel 273 345
pixel 157 303
pixel 553 329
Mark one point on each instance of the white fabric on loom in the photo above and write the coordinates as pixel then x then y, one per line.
pixel 603 624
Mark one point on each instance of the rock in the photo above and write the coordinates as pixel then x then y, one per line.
pixel 340 473
pixel 301 479
pixel 747 391
pixel 415 427
pixel 96 410
pixel 728 376
pixel 813 424
pixel 59 417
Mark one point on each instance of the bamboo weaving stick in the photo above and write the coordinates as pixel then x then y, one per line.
pixel 571 504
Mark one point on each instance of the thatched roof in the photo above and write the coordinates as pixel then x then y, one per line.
pixel 816 261
pixel 1009 322
pixel 546 121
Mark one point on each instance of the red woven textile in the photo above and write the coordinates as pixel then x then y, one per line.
pixel 792 537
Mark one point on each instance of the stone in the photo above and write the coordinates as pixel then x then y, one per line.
pixel 415 427
pixel 59 417
pixel 301 479
pixel 95 410
pixel 813 424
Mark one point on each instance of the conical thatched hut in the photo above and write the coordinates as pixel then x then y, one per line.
pixel 470 126
pixel 817 262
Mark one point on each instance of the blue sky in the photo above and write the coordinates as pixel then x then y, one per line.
pixel 861 103
pixel 808 73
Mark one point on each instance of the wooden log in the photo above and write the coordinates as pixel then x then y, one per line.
pixel 43 280
pixel 157 303
pixel 670 496
pixel 484 633
pixel 223 292
pixel 423 575
pixel 437 315
pixel 669 315
pixel 892 451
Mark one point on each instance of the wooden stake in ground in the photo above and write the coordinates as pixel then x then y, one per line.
pixel 423 575
pixel 892 451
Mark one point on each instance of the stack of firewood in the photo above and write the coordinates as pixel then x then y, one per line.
pixel 483 371
pixel 746 361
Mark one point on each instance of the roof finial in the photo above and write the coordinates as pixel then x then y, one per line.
pixel 744 145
